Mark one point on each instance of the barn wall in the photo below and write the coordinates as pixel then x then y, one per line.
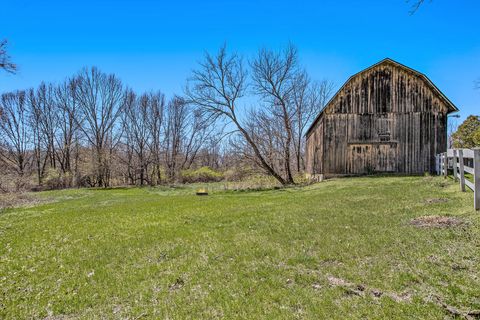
pixel 385 119
pixel 314 150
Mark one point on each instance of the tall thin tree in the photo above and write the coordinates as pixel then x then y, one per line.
pixel 101 99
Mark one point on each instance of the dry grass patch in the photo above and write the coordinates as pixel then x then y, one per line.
pixel 436 222
pixel 435 200
pixel 13 200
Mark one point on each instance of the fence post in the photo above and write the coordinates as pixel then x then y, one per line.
pixel 445 164
pixel 476 177
pixel 441 163
pixel 462 172
pixel 455 178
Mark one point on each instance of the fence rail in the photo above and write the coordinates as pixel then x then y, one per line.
pixel 460 162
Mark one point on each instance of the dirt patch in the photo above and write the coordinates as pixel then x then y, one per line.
pixel 58 317
pixel 441 184
pixel 462 313
pixel 404 296
pixel 436 200
pixel 179 283
pixel 436 222
pixel 362 290
pixel 316 286
pixel 338 282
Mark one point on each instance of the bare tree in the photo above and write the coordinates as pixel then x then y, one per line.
pixel 303 100
pixel 40 141
pixel 101 99
pixel 215 89
pixel 266 129
pixel 43 108
pixel 308 98
pixel 416 5
pixel 200 132
pixel 274 75
pixel 211 153
pixel 5 59
pixel 127 156
pixel 156 110
pixel 14 131
pixel 137 131
pixel 175 127
pixel 67 113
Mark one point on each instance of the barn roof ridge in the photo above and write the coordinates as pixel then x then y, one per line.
pixel 385 60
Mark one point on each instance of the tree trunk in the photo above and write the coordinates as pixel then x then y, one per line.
pixel 265 165
pixel 288 142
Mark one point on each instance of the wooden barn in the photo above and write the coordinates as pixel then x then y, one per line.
pixel 386 118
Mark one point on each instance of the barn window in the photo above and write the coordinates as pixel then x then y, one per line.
pixel 384 136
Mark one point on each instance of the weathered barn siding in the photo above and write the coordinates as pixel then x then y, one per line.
pixel 314 152
pixel 388 118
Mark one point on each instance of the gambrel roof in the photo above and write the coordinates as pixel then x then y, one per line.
pixel 448 103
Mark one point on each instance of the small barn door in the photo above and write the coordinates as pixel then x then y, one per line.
pixel 385 157
pixel 360 158
pixel 370 158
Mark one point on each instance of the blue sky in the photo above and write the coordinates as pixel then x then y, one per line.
pixel 155 44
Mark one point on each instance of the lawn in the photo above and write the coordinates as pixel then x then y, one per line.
pixel 338 249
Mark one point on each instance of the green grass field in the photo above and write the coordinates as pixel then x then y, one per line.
pixel 339 249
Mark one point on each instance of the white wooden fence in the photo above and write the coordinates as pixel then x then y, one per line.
pixel 462 161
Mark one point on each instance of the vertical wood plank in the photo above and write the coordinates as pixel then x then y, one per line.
pixel 455 178
pixel 476 177
pixel 462 171
pixel 445 165
pixel 441 163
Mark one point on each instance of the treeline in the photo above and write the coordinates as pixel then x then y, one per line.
pixel 93 131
